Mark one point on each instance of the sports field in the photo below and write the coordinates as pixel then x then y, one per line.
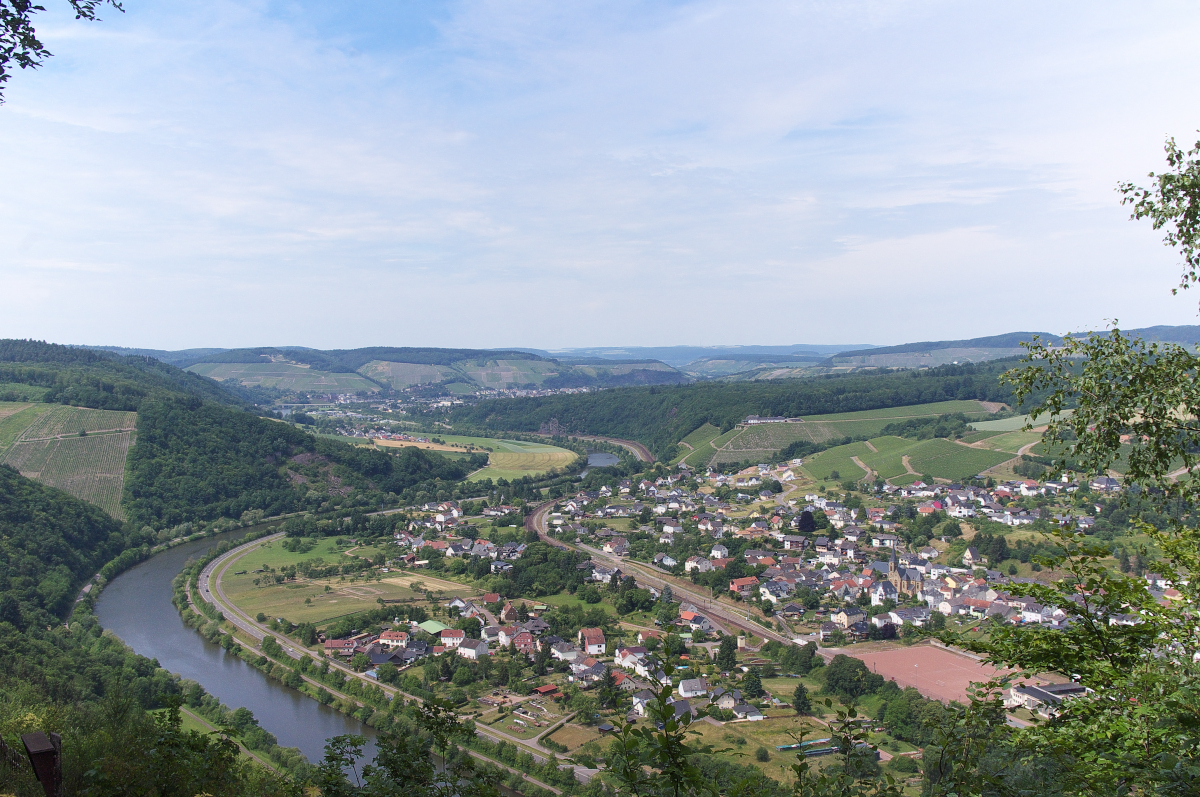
pixel 42 441
pixel 935 672
pixel 285 376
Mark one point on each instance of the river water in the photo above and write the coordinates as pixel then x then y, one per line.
pixel 137 607
pixel 600 459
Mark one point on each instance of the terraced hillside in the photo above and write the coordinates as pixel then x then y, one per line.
pixel 763 441
pixel 901 460
pixel 79 450
pixel 285 376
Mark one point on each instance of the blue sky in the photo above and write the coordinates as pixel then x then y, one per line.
pixel 558 174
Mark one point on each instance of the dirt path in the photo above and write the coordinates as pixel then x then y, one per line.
pixel 908 465
pixel 863 465
pixel 874 450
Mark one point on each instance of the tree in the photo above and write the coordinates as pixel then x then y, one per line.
pixel 806 524
pixel 762 754
pixel 800 701
pixel 1173 203
pixel 19 44
pixel 752 684
pixel 727 653
pixel 849 678
pixel 361 662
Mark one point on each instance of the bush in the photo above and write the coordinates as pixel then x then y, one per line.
pixel 762 754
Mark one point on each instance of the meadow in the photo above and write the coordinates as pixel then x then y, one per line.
pixel 321 600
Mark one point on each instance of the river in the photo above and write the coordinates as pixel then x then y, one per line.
pixel 600 459
pixel 137 607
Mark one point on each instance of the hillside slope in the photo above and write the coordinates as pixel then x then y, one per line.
pixel 660 416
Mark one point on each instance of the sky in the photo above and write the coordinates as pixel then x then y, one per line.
pixel 549 174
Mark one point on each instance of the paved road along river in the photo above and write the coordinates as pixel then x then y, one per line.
pixel 137 607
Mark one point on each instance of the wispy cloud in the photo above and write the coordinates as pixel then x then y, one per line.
pixel 554 174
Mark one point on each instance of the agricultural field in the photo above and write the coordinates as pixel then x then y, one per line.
pixel 507 373
pixel 285 376
pixel 940 458
pixel 1012 424
pixel 90 468
pixel 15 418
pixel 61 420
pixel 402 375
pixel 43 442
pixel 1010 442
pixel 512 459
pixel 761 442
pixel 948 460
pixel 322 600
pixel 837 461
pixel 698 452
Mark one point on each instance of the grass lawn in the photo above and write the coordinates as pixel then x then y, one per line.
pixel 573 736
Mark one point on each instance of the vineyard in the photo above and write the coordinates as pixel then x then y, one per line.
pixel 761 442
pixel 91 468
pixel 44 442
pixel 61 420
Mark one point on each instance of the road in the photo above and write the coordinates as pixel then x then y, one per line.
pixel 212 592
pixel 643 575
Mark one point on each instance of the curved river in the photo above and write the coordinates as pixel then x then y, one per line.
pixel 137 607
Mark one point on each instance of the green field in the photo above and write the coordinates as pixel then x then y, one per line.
pixel 948 460
pixel 1011 442
pixel 1012 424
pixel 42 442
pixel 762 441
pixel 16 417
pixel 285 376
pixel 700 452
pixel 824 464
pixel 512 459
pixel 402 375
pixel 911 411
pixel 941 458
pixel 346 595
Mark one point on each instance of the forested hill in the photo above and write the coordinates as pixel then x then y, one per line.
pixel 97 379
pixel 199 461
pixel 50 544
pixel 200 455
pixel 661 416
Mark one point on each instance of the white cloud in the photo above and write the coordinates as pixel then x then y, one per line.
pixel 549 174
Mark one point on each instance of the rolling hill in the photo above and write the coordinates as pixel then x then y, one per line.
pixel 376 369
